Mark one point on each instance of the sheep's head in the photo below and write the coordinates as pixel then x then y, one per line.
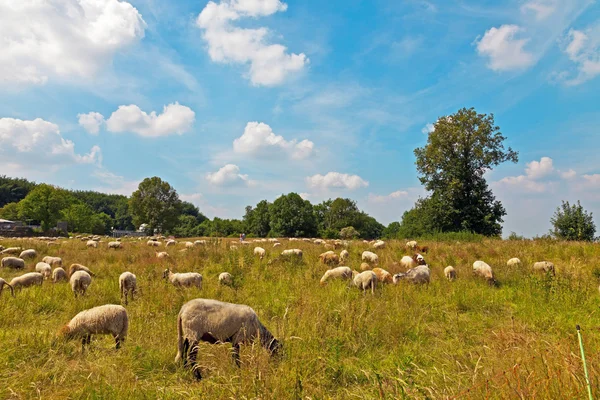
pixel 166 273
pixel 419 259
pixel 66 332
pixel 275 347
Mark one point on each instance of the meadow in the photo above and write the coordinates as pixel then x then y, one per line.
pixel 461 339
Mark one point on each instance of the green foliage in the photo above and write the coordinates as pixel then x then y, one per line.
pixel 257 220
pixel 188 208
pixel 155 203
pixel 349 233
pixel 44 204
pixel 13 190
pixel 292 216
pixel 392 231
pixel 10 211
pixel 334 215
pixel 514 236
pixel 572 222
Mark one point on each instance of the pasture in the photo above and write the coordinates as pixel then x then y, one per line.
pixel 461 339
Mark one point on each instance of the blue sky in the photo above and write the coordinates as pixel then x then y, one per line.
pixel 241 100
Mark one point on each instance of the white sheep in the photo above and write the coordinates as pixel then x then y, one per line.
pixel 450 273
pixel 12 262
pixel 292 252
pixel 329 258
pixel 12 250
pixel 336 273
pixel 162 254
pixel 513 262
pixel 186 279
pixel 189 245
pixel 78 267
pixel 380 244
pixel 80 280
pixel 44 269
pixel 170 242
pixel 214 321
pixel 370 257
pixel 408 262
pixel 115 245
pixel 29 253
pixel 482 269
pixel 26 280
pixel 260 252
pixel 319 241
pixel 127 284
pixel 53 261
pixel 199 242
pixel 277 244
pixel 4 283
pixel 365 280
pixel 344 255
pixel 153 243
pixel 544 266
pixel 94 244
pixel 417 275
pixel 109 319
pixel 59 274
pixel 225 278
pixel 412 245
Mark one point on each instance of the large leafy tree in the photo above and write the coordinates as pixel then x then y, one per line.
pixel 13 190
pixel 292 216
pixel 44 204
pixel 572 222
pixel 459 151
pixel 257 220
pixel 155 203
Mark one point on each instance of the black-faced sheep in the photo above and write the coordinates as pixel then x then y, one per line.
pixel 127 284
pixel 109 319
pixel 187 279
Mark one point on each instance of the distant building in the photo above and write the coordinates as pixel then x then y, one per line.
pixel 7 225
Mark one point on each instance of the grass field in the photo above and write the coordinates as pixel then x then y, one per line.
pixel 447 339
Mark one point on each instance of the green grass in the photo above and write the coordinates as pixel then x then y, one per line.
pixel 438 341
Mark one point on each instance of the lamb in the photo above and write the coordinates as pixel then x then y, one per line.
pixel 382 275
pixel 380 244
pixel 365 280
pixel 450 273
pixel 162 254
pixel 4 283
pixel 80 280
pixel 94 244
pixel 153 243
pixel 344 255
pixel 260 252
pixel 12 262
pixel 78 267
pixel 127 284
pixel 513 262
pixel 412 245
pixel 292 252
pixel 30 253
pixel 417 275
pixel 54 262
pixel 370 257
pixel 26 280
pixel 186 279
pixel 336 273
pixel 108 319
pixel 484 270
pixel 225 278
pixel 329 258
pixel 115 245
pixel 59 274
pixel 544 266
pixel 11 250
pixel 214 321
pixel 44 269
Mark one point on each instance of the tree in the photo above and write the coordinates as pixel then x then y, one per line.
pixel 257 220
pixel 349 233
pixel 13 190
pixel 291 216
pixel 392 231
pixel 155 203
pixel 79 217
pixel 44 204
pixel 461 148
pixel 572 222
pixel 10 211
pixel 188 208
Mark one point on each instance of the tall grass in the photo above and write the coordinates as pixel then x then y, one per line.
pixel 447 339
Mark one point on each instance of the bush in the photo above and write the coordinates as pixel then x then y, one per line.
pixel 572 222
pixel 349 233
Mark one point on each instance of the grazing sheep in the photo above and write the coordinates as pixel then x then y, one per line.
pixel 344 255
pixel 417 275
pixel 450 273
pixel 109 319
pixel 513 262
pixel 115 245
pixel 189 245
pixel 12 262
pixel 365 266
pixel 153 243
pixel 276 244
pixel 382 275
pixel 365 280
pixel 544 266
pixel 214 321
pixel 127 284
pixel 162 254
pixel 186 279
pixel 407 262
pixel 11 250
pixel 380 244
pixel 260 252
pixel 44 269
pixel 412 245
pixel 54 262
pixel 59 274
pixel 4 283
pixel 170 242
pixel 336 273
pixel 329 258
pixel 292 252
pixel 370 257
pixel 80 280
pixel 199 242
pixel 30 253
pixel 225 278
pixel 423 249
pixel 78 267
pixel 484 270
pixel 26 280
pixel 94 244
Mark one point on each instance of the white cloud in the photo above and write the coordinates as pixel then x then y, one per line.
pixel 91 122
pixel 540 8
pixel 427 129
pixel 41 40
pixel 115 184
pixel 258 139
pixel 174 120
pixel 504 51
pixel 568 174
pixel 592 180
pixel 270 64
pixel 584 50
pixel 539 169
pixel 399 194
pixel 336 180
pixel 540 176
pixel 229 175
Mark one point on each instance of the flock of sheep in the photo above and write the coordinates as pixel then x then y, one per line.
pixel 211 320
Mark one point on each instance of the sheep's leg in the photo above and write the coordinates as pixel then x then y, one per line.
pixel 88 339
pixel 236 354
pixel 125 292
pixel 192 357
pixel 118 342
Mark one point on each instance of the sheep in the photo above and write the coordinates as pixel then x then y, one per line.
pixel 199 242
pixel 44 269
pixel 189 245
pixel 329 258
pixel 277 244
pixel 26 280
pixel 214 321
pixel 408 262
pixel 544 266
pixel 127 284
pixel 380 244
pixel 108 319
pixel 450 273
pixel 365 266
pixel 161 254
pixel 94 244
pixel 4 283
pixel 12 262
pixel 153 243
pixel 53 261
pixel 344 255
pixel 411 245
pixel 170 242
pixel 225 278
pixel 336 273
pixel 186 279
pixel 319 241
pixel 365 280
pixel 260 252
pixel 11 250
pixel 513 262
pixel 80 280
pixel 370 257
pixel 59 274
pixel 382 275
pixel 484 270
pixel 30 253
pixel 115 245
pixel 78 267
pixel 417 275
pixel 292 252
pixel 423 249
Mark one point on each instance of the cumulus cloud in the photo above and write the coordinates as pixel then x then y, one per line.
pixel 91 122
pixel 259 139
pixel 114 184
pixel 399 194
pixel 174 120
pixel 583 49
pixel 539 169
pixel 504 51
pixel 269 64
pixel 41 40
pixel 229 175
pixel 539 8
pixel 427 129
pixel 336 180
pixel 539 177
